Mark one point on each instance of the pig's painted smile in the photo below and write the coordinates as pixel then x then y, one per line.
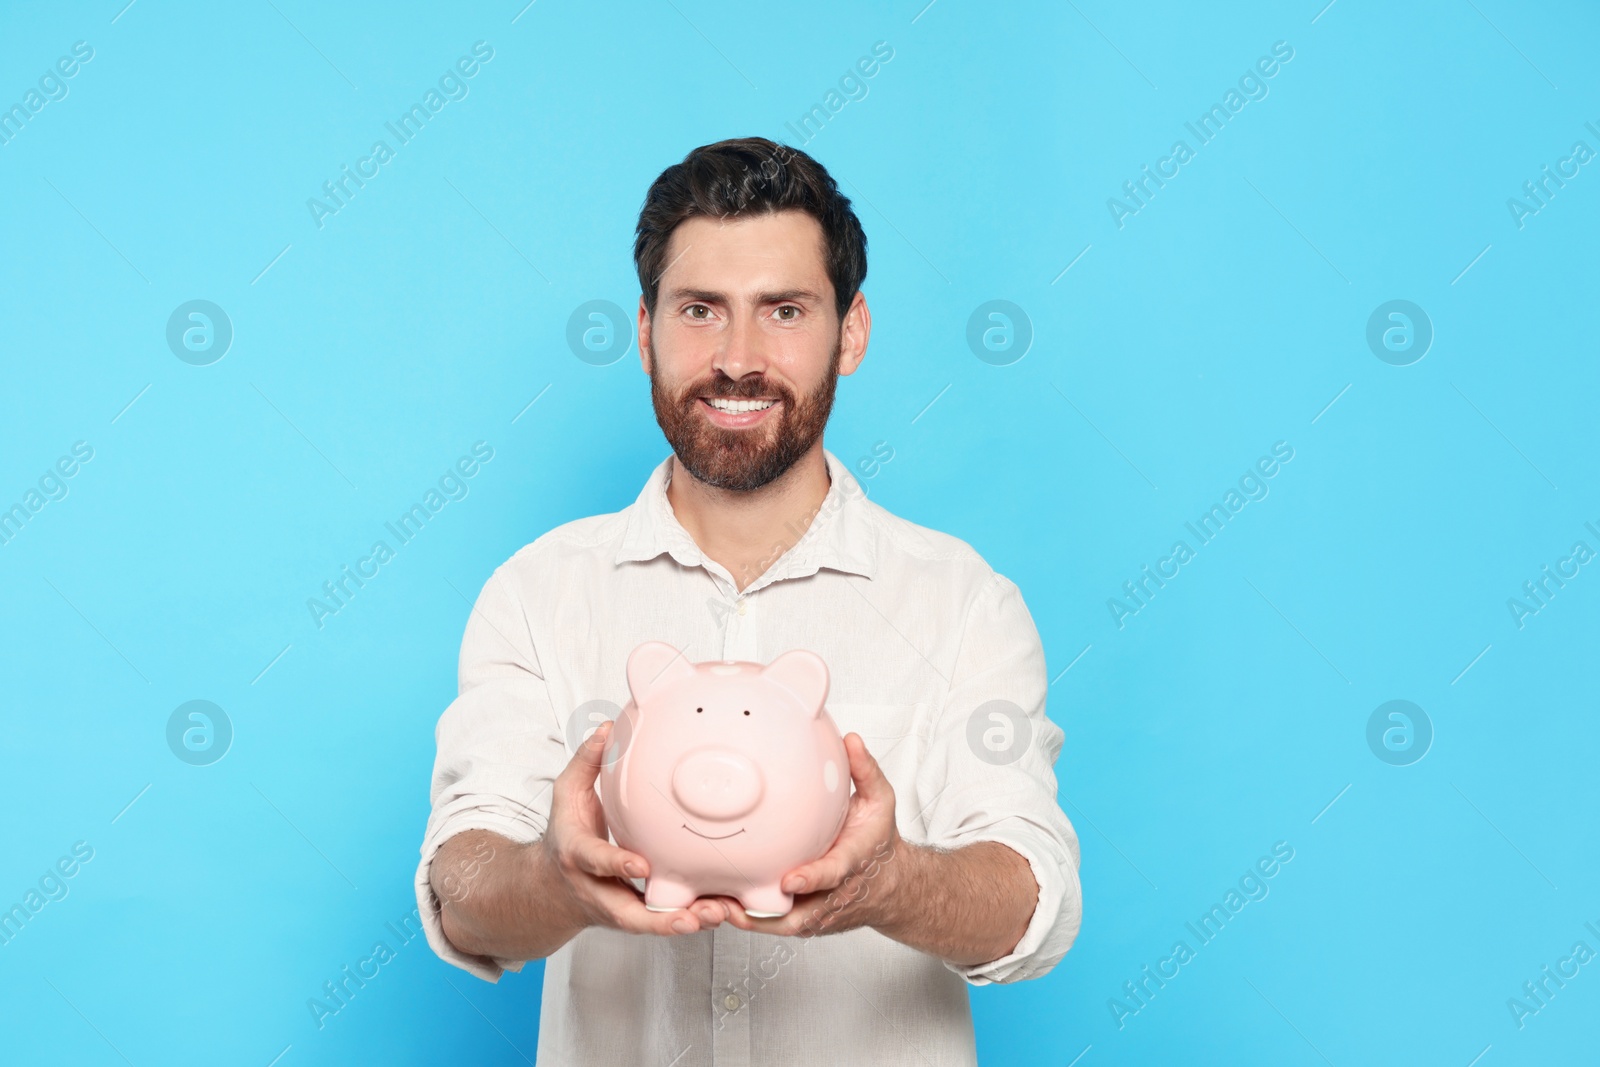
pixel 708 837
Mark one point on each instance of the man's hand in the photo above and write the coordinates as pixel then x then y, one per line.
pixel 524 901
pixel 966 906
pixel 850 885
pixel 587 865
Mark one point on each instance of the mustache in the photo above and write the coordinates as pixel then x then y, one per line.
pixel 743 389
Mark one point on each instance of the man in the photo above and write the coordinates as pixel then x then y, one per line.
pixel 955 864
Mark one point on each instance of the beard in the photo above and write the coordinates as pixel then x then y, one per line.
pixel 747 459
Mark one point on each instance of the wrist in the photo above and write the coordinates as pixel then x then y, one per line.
pixel 539 872
pixel 893 884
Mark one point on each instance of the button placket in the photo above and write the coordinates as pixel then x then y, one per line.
pixel 740 642
pixel 730 631
pixel 730 1015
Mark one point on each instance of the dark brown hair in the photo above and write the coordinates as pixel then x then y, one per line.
pixel 750 176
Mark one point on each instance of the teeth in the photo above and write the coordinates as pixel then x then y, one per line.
pixel 739 406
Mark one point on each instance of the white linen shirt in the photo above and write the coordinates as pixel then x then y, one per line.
pixel 918 633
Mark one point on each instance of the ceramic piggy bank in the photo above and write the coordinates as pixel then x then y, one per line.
pixel 725 776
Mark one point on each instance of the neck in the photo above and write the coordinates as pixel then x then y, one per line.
pixel 747 531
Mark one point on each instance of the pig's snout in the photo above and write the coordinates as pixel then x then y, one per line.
pixel 716 784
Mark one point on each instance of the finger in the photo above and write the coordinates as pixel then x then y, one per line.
pixel 596 856
pixel 738 917
pixel 869 779
pixel 584 766
pixel 824 873
pixel 714 910
pixel 638 919
pixel 782 926
pixel 624 910
pixel 711 913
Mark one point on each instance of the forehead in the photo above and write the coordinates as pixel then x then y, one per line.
pixel 780 249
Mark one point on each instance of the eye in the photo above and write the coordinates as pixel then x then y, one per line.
pixel 782 315
pixel 696 309
pixel 698 710
pixel 747 712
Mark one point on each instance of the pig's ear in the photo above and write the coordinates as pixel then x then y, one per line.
pixel 654 664
pixel 803 674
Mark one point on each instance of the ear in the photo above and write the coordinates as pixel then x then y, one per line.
pixel 803 674
pixel 644 335
pixel 654 664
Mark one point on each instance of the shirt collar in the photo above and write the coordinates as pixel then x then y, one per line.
pixel 841 536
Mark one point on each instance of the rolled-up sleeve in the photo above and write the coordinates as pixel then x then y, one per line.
pixel 989 775
pixel 499 751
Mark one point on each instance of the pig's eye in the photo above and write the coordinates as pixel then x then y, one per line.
pixel 698 710
pixel 747 711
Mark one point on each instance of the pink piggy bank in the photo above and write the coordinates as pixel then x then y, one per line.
pixel 725 776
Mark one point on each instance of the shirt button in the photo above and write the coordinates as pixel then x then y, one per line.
pixel 731 1002
pixel 741 605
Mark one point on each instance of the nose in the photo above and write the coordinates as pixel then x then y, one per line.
pixel 743 349
pixel 716 784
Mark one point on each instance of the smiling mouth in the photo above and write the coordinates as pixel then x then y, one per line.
pixel 732 405
pixel 708 837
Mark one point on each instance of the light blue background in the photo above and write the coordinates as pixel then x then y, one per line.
pixel 1223 317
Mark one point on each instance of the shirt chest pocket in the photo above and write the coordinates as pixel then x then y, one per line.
pixel 894 734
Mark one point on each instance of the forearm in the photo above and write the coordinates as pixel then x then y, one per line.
pixel 968 905
pixel 500 898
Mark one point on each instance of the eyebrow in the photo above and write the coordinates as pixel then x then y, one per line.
pixel 710 297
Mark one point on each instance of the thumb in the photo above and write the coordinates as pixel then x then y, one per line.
pixel 584 767
pixel 868 777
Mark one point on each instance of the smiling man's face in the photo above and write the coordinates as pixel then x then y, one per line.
pixel 745 347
